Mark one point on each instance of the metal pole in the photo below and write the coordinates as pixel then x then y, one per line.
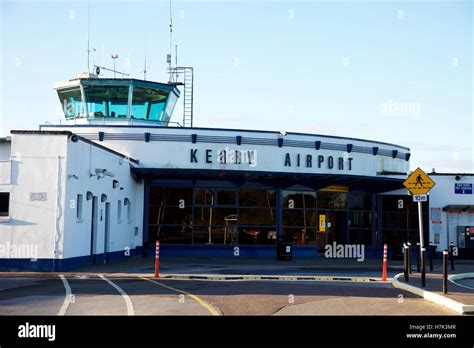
pixel 423 270
pixel 405 262
pixel 431 256
pixel 420 224
pixel 409 257
pixel 451 255
pixel 418 257
pixel 445 271
pixel 422 243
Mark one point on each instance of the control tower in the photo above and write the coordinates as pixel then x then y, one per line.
pixel 89 100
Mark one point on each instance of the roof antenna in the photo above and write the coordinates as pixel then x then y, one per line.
pixel 168 57
pixel 88 33
pixel 89 50
pixel 144 67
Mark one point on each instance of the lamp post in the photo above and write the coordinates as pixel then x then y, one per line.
pixel 114 57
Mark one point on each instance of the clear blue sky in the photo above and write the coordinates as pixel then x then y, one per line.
pixel 398 71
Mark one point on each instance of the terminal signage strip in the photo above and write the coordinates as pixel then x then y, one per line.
pixel 230 156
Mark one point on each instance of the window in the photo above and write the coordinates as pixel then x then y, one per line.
pixel 119 212
pixel 71 101
pixel 148 103
pixel 107 101
pixel 79 208
pixel 170 106
pixel 4 203
pixel 129 211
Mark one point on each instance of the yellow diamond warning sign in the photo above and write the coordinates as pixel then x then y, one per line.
pixel 419 183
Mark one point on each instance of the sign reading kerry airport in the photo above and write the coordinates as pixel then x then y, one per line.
pixel 419 183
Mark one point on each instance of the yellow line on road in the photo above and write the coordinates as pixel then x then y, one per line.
pixel 194 297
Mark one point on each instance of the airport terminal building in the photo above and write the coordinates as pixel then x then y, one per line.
pixel 116 176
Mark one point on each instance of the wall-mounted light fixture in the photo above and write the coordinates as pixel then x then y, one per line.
pixel 101 173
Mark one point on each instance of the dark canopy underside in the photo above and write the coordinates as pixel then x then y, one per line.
pixel 273 179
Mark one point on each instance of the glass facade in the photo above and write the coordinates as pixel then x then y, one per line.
pixel 212 216
pixel 400 220
pixel 229 215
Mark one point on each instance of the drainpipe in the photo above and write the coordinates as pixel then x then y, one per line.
pixel 58 213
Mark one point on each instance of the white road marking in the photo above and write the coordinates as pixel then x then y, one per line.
pixel 82 277
pixel 461 285
pixel 130 310
pixel 67 299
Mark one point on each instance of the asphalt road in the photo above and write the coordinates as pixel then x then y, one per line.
pixel 95 295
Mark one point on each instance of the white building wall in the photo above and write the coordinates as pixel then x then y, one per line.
pixel 48 171
pixel 442 195
pixel 83 159
pixel 176 154
pixel 36 199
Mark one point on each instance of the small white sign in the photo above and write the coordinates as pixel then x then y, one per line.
pixel 420 198
pixel 38 196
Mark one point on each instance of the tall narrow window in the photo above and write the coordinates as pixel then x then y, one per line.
pixel 4 203
pixel 129 211
pixel 119 212
pixel 79 208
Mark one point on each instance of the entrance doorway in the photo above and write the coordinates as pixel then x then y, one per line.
pixel 93 228
pixel 231 230
pixel 107 232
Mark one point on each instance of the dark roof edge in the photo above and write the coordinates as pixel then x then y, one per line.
pixel 227 129
pixel 69 134
pixel 451 174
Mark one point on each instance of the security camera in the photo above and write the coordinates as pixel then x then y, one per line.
pixel 457 177
pixel 74 138
pixel 282 133
pixel 111 174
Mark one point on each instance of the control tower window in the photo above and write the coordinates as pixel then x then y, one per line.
pixel 148 104
pixel 107 101
pixel 170 106
pixel 71 102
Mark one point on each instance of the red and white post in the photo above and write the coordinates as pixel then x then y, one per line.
pixel 157 259
pixel 384 268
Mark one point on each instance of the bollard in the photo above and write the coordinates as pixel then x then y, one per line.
pixel 451 255
pixel 432 249
pixel 384 267
pixel 418 257
pixel 409 257
pixel 445 271
pixel 423 270
pixel 157 259
pixel 405 262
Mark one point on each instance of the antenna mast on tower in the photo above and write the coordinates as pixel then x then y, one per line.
pixel 89 50
pixel 88 33
pixel 168 58
pixel 144 68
